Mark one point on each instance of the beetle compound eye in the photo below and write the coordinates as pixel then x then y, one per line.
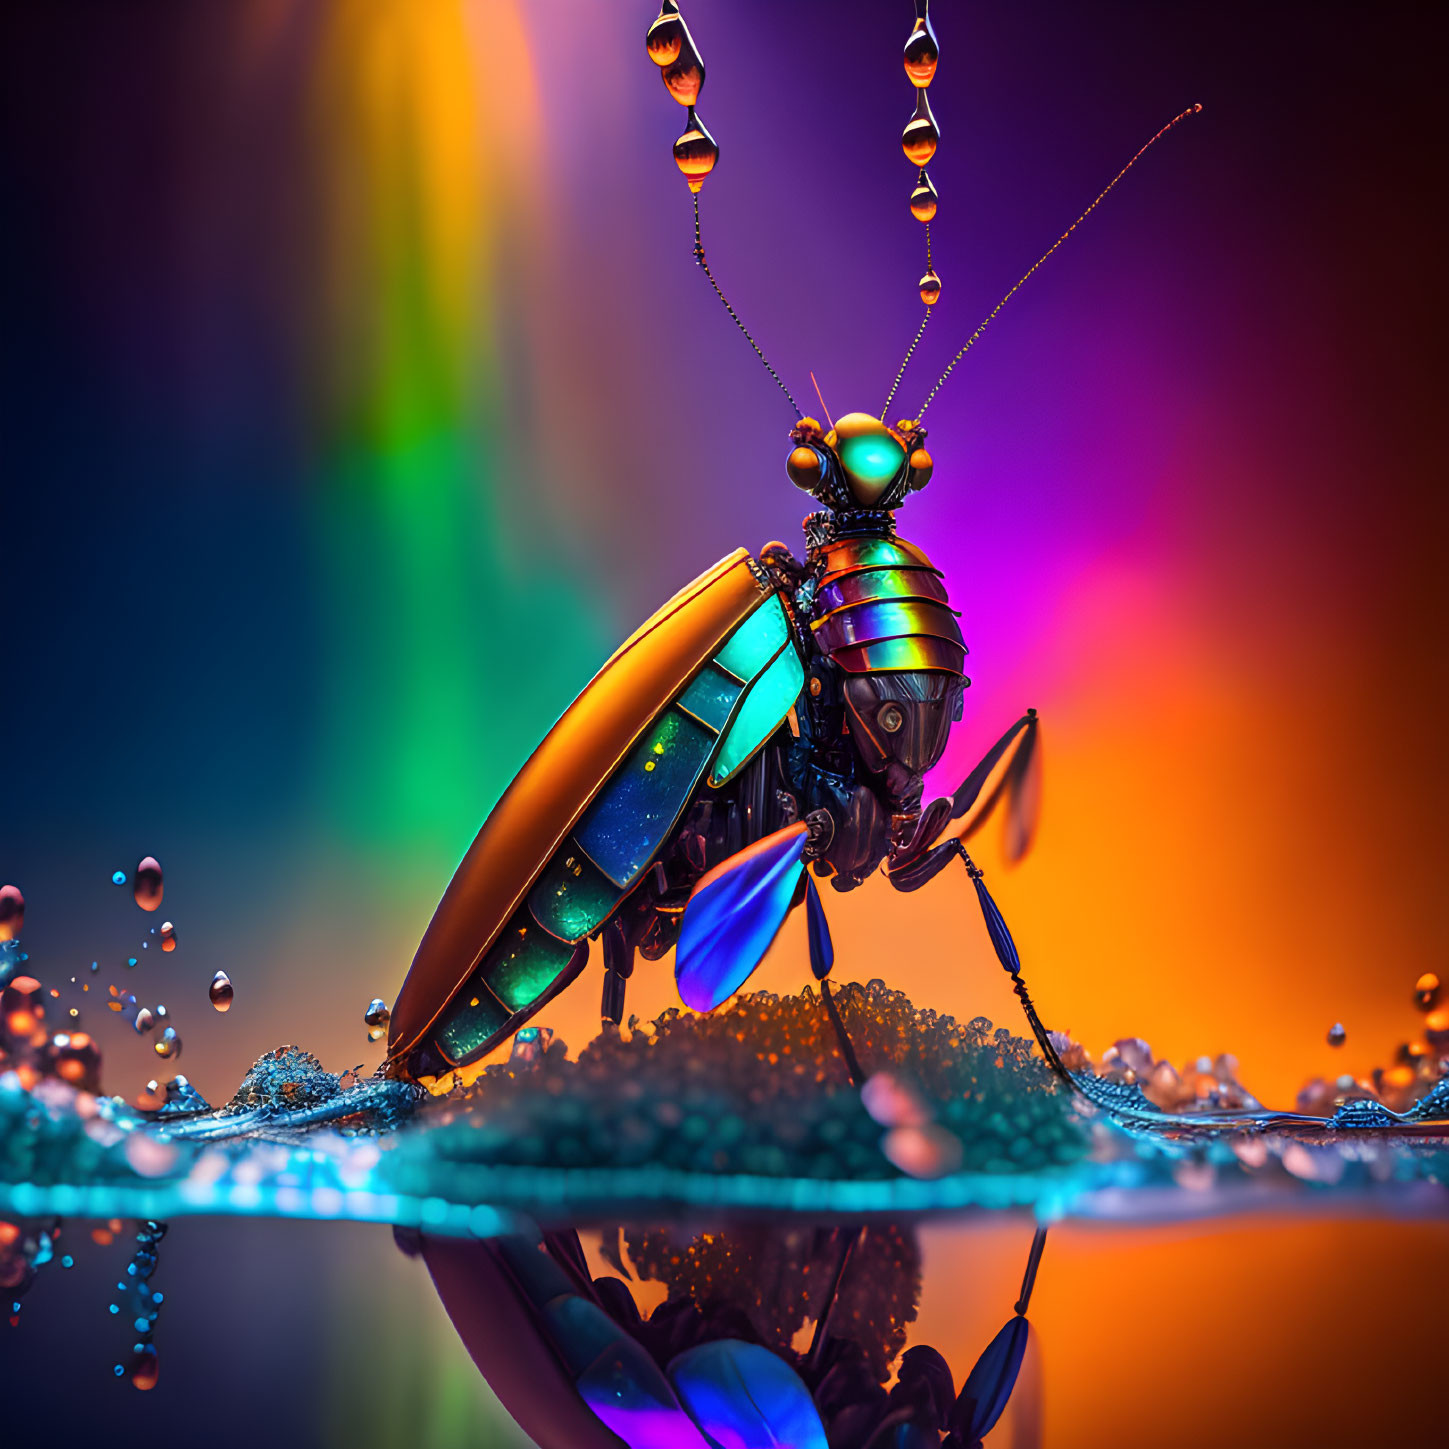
pixel 891 718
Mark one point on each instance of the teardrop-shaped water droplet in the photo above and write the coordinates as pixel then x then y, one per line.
pixel 921 136
pixel 922 53
pixel 168 936
pixel 930 288
pixel 924 199
pixel 147 886
pixel 665 35
pixel 696 152
pixel 143 1021
pixel 221 991
pixel 168 1044
pixel 12 912
pixel 684 75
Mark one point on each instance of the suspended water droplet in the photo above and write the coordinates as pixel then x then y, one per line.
pixel 168 1044
pixel 168 936
pixel 145 1370
pixel 922 52
pixel 696 152
pixel 921 136
pixel 930 285
pixel 147 886
pixel 1337 1035
pixel 1426 991
pixel 118 877
pixel 130 962
pixel 684 75
pixel 665 36
pixel 221 991
pixel 924 199
pixel 143 1021
pixel 12 912
pixel 377 1017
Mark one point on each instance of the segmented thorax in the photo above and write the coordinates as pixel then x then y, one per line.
pixel 881 606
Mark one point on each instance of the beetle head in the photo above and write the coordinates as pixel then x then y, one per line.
pixel 860 463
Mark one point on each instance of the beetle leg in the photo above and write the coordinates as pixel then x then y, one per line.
pixel 618 967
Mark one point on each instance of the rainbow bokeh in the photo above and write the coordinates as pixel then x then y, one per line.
pixel 361 393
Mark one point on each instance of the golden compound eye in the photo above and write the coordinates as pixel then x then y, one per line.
pixel 891 718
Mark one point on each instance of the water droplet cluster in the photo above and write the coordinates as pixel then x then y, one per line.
pixel 139 1306
pixel 922 135
pixel 671 47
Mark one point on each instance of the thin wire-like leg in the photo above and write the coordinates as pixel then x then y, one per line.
pixel 847 1050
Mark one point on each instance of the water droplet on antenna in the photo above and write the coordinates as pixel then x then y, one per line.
pixel 665 35
pixel 930 288
pixel 922 53
pixel 695 152
pixel 921 136
pixel 924 199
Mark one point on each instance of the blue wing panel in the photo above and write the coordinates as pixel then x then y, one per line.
pixel 734 914
pixel 746 1397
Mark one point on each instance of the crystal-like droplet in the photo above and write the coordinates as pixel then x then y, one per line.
pixel 377 1017
pixel 221 991
pixel 12 912
pixel 143 1021
pixel 696 152
pixel 930 288
pixel 168 936
pixel 168 1044
pixel 921 136
pixel 147 885
pixel 1337 1035
pixel 922 53
pixel 665 35
pixel 924 199
pixel 684 75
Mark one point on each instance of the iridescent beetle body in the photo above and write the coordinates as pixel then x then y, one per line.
pixel 770 726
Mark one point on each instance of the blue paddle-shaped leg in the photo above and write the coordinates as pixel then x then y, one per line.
pixel 734 914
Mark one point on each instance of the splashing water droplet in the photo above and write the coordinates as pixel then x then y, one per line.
pixel 221 991
pixel 118 877
pixel 1337 1035
pixel 377 1017
pixel 143 1022
pixel 168 1044
pixel 12 912
pixel 147 886
pixel 168 936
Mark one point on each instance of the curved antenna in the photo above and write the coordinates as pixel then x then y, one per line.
pixel 915 341
pixel 704 267
pixel 970 341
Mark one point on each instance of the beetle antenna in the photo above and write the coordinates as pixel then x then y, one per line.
pixel 905 363
pixel 704 267
pixel 819 395
pixel 970 341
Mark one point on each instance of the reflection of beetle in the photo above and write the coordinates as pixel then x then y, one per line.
pixel 774 713
pixel 573 1362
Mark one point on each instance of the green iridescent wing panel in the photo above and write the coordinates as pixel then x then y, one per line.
pixel 761 712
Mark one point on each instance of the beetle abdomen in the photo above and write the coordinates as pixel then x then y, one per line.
pixel 881 606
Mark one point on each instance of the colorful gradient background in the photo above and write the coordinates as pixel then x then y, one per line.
pixel 360 393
